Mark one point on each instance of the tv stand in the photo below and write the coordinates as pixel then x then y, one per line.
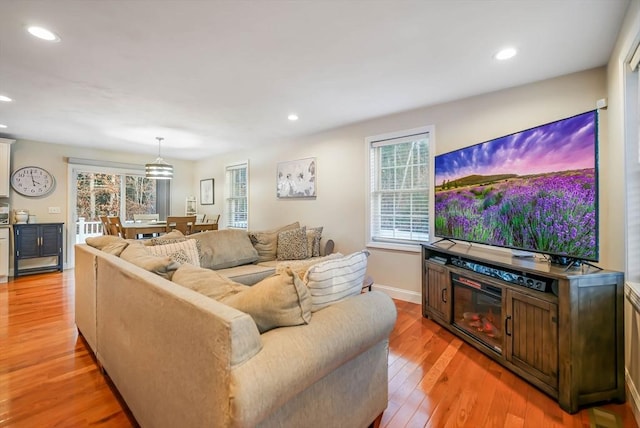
pixel 561 330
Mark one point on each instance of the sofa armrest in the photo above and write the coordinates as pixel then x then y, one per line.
pixel 168 349
pixel 294 358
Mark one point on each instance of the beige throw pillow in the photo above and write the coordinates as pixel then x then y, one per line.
pixel 207 282
pixel 335 280
pixel 266 242
pixel 292 244
pixel 171 237
pixel 162 265
pixel 277 301
pixel 108 243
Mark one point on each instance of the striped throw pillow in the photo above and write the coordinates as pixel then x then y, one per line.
pixel 335 280
pixel 190 248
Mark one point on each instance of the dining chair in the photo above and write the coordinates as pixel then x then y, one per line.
pixel 115 226
pixel 215 220
pixel 181 223
pixel 200 218
pixel 146 217
pixel 106 230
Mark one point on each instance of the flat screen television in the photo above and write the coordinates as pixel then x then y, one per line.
pixel 534 190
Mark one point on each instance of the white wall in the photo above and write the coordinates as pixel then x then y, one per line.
pixel 341 160
pixel 623 134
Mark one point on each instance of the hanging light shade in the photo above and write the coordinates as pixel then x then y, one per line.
pixel 159 169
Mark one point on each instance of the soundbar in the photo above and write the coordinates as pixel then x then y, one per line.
pixel 518 278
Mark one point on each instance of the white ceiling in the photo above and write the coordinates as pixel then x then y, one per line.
pixel 215 76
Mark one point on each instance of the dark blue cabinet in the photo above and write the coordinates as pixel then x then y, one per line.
pixel 37 241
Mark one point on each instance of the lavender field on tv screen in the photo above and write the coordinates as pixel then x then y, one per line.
pixel 534 190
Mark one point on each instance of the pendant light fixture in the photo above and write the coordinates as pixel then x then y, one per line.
pixel 159 169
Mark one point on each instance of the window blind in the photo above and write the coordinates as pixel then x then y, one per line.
pixel 237 199
pixel 399 189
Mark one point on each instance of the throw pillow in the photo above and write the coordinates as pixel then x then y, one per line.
pixel 335 280
pixel 221 249
pixel 189 246
pixel 168 238
pixel 277 301
pixel 292 244
pixel 161 265
pixel 266 242
pixel 180 256
pixel 314 234
pixel 108 243
pixel 207 282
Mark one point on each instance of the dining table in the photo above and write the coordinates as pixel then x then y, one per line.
pixel 132 230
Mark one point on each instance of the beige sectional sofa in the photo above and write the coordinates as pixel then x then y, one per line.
pixel 180 358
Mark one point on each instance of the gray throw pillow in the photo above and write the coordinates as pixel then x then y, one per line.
pixel 292 244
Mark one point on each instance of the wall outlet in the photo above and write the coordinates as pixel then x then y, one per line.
pixel 54 210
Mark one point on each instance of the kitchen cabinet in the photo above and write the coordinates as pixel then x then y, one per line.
pixel 5 166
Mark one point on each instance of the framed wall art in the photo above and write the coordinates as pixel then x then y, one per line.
pixel 297 179
pixel 206 192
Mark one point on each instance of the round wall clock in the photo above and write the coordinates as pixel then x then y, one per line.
pixel 32 181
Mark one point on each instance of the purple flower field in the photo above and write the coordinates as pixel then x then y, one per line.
pixel 549 213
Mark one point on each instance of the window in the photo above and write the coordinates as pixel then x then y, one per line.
pixel 237 195
pixel 399 171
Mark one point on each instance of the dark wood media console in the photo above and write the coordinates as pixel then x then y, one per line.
pixel 561 330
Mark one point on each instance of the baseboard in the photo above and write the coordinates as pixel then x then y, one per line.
pixel 399 293
pixel 633 397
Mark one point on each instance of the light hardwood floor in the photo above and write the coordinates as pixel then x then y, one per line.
pixel 48 377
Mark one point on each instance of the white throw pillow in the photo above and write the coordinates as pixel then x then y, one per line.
pixel 335 280
pixel 190 248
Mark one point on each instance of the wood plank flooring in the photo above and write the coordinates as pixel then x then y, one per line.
pixel 48 378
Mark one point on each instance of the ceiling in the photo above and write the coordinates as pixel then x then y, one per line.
pixel 215 76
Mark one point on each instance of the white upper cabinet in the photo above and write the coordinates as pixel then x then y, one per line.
pixel 5 168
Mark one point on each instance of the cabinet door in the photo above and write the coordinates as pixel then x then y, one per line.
pixel 27 241
pixel 4 169
pixel 50 243
pixel 438 290
pixel 531 330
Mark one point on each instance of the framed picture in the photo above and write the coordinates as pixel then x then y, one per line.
pixel 206 192
pixel 297 179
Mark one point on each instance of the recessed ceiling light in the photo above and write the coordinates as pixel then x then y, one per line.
pixel 5 98
pixel 292 117
pixel 2 126
pixel 43 33
pixel 506 54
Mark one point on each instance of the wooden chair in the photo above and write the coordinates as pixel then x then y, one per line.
pixel 200 218
pixel 182 223
pixel 115 227
pixel 146 217
pixel 215 220
pixel 106 230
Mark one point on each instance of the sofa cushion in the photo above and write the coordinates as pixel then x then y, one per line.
pixel 335 280
pixel 248 274
pixel 220 249
pixel 206 281
pixel 314 234
pixel 300 267
pixel 161 265
pixel 108 243
pixel 292 244
pixel 188 246
pixel 266 242
pixel 278 301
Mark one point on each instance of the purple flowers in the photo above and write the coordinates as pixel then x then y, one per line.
pixel 548 213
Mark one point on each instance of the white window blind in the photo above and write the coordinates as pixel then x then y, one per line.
pixel 399 189
pixel 237 201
